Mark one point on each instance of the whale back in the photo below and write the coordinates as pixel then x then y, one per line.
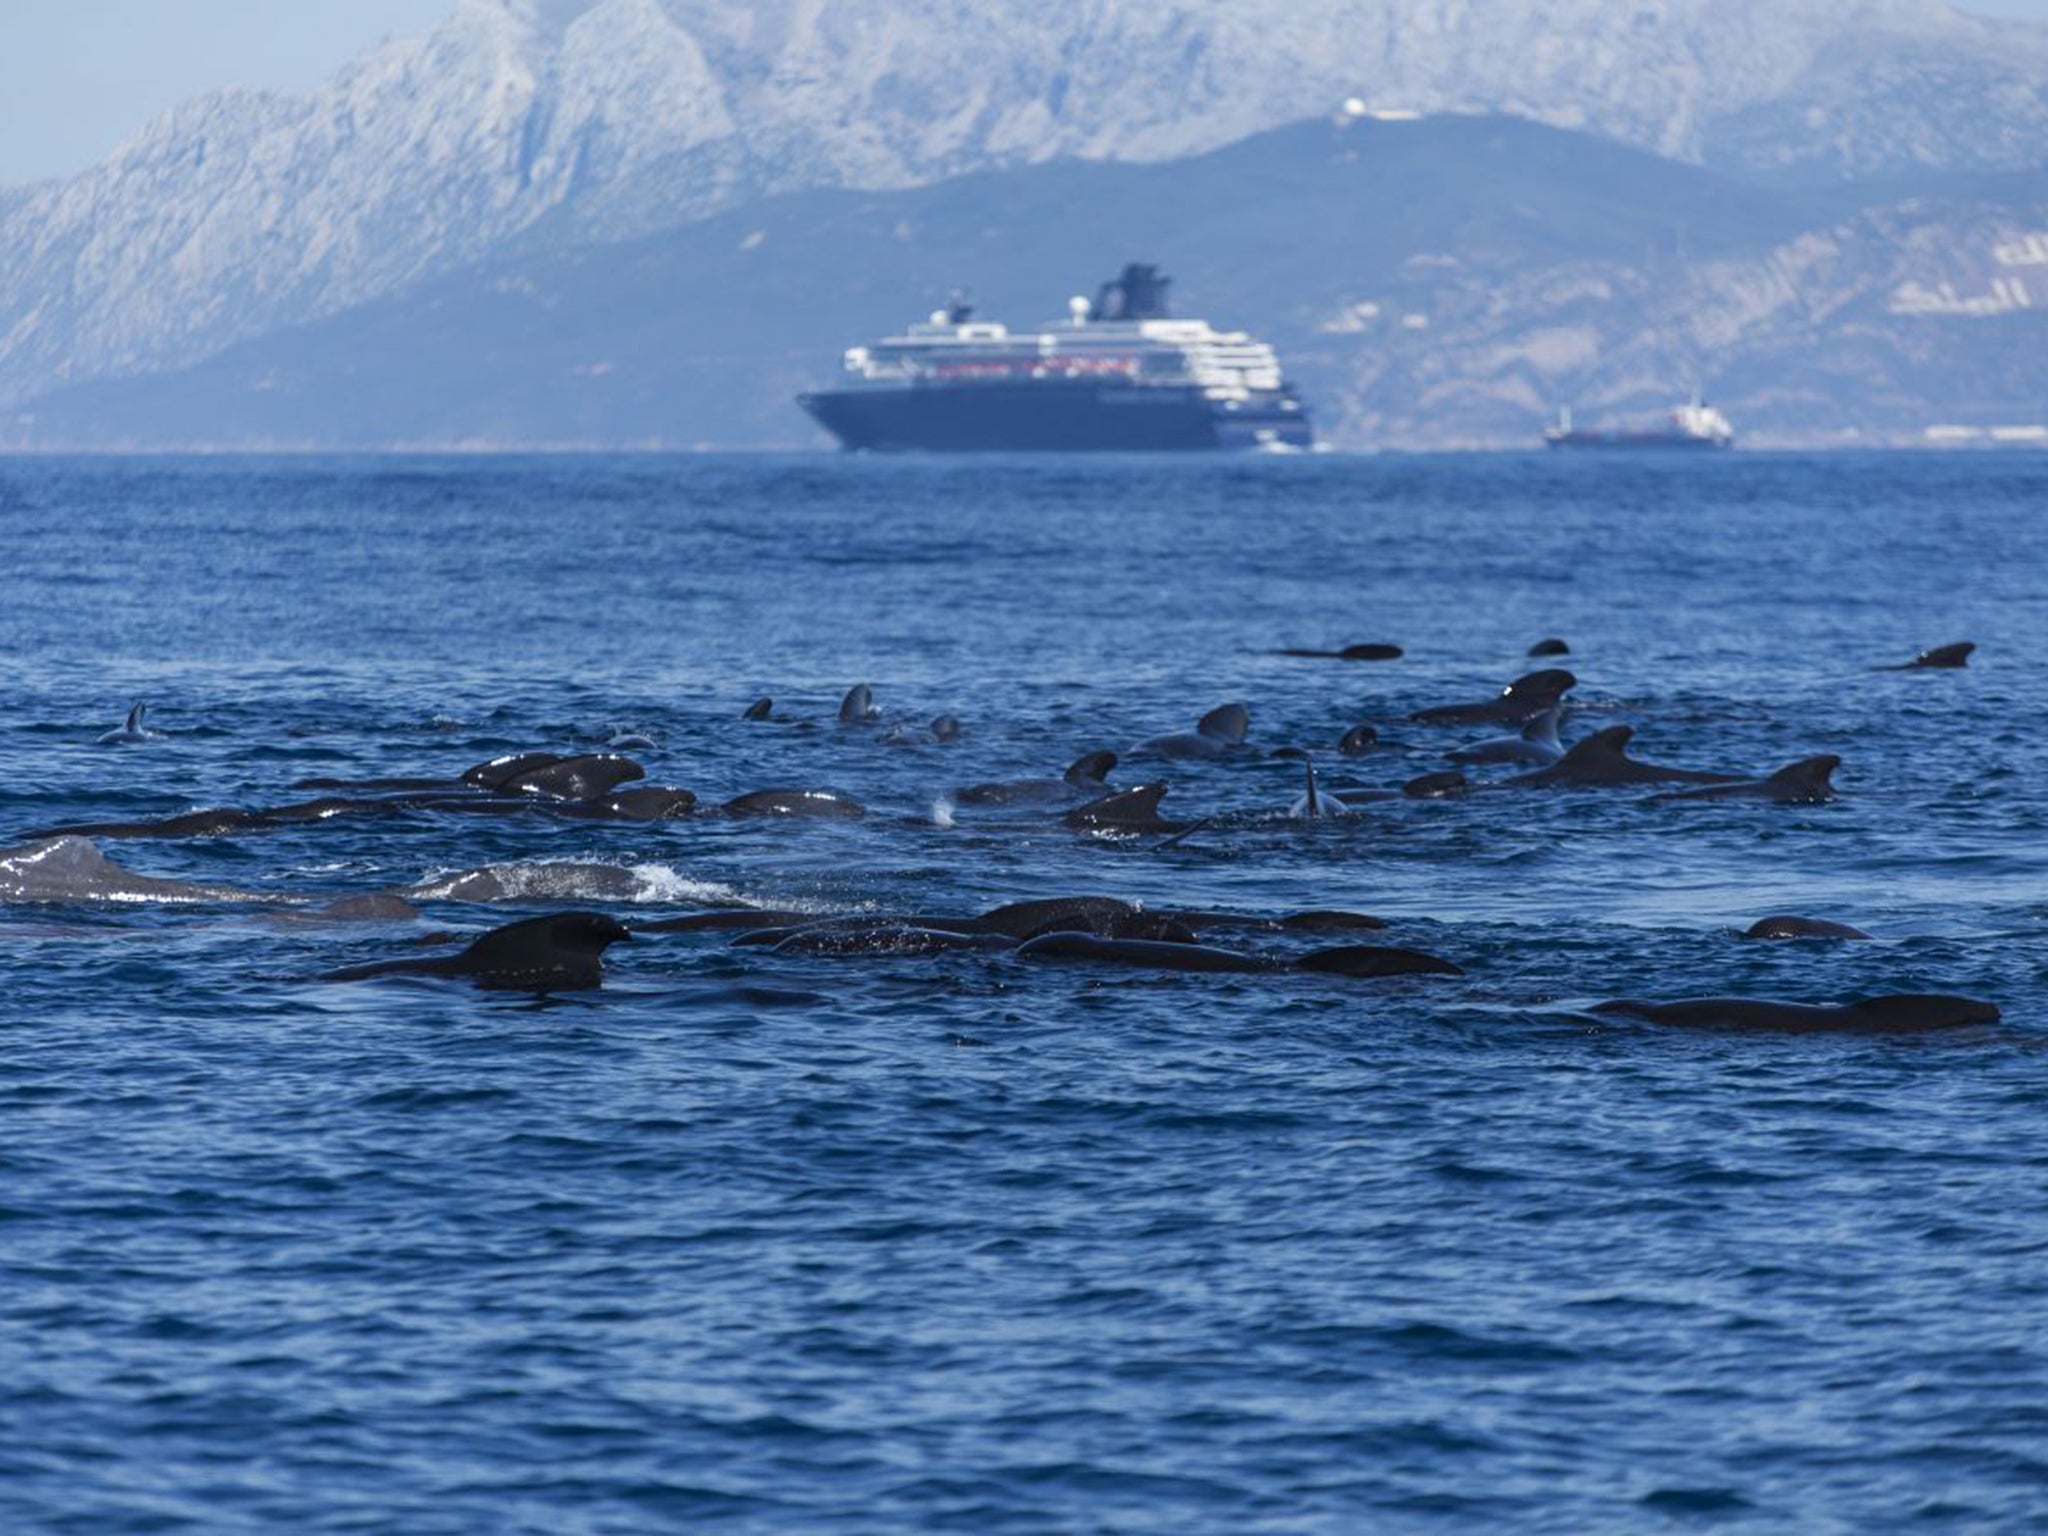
pixel 1922 1010
pixel 575 778
pixel 501 770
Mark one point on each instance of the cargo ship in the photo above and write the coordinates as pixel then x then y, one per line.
pixel 1119 373
pixel 1695 425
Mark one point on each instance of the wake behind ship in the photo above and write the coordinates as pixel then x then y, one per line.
pixel 1117 374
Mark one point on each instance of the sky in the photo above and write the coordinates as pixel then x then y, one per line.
pixel 78 76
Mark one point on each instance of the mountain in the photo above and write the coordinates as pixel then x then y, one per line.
pixel 533 124
pixel 1445 282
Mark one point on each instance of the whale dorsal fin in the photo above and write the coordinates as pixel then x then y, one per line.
pixel 1229 721
pixel 1542 727
pixel 1809 773
pixel 1137 807
pixel 760 709
pixel 1092 769
pixel 134 725
pixel 858 707
pixel 1603 746
pixel 1312 799
pixel 564 949
pixel 1357 740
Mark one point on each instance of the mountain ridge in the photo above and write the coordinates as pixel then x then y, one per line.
pixel 1442 283
pixel 520 125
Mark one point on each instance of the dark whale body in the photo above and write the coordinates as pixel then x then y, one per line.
pixel 559 953
pixel 1800 928
pixel 1940 658
pixel 1890 1015
pixel 1220 731
pixel 1602 761
pixel 1345 960
pixel 1368 651
pixel 1806 782
pixel 1127 810
pixel 1084 776
pixel 1524 698
pixel 794 802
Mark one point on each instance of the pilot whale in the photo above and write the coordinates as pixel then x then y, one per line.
pixel 1344 960
pixel 1783 927
pixel 1536 746
pixel 1806 782
pixel 132 730
pixel 1525 697
pixel 794 802
pixel 1086 775
pixel 1888 1015
pixel 1368 651
pixel 1125 810
pixel 1602 761
pixel 562 952
pixel 71 869
pixel 1220 731
pixel 1939 658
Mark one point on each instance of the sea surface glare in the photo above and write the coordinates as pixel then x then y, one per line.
pixel 753 1241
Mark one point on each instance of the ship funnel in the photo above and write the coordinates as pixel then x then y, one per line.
pixel 1077 309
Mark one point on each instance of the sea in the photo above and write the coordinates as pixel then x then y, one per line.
pixel 757 1241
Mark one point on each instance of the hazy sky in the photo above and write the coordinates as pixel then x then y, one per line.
pixel 78 76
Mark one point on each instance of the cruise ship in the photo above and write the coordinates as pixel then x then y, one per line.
pixel 1119 373
pixel 1697 425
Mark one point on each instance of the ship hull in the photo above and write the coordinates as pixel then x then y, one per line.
pixel 1660 441
pixel 1054 418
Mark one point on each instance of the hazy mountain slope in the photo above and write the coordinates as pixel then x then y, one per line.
pixel 538 122
pixel 1444 282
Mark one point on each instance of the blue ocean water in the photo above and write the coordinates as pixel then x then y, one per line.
pixel 759 1242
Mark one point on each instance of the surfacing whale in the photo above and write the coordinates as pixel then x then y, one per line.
pixel 651 802
pixel 1345 960
pixel 1806 782
pixel 794 802
pixel 1784 927
pixel 1084 776
pixel 1125 810
pixel 1314 803
pixel 563 952
pixel 1368 651
pixel 1889 1015
pixel 1358 741
pixel 858 707
pixel 132 731
pixel 1536 746
pixel 1550 646
pixel 1220 731
pixel 71 869
pixel 1602 761
pixel 1525 697
pixel 1941 657
pixel 584 777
